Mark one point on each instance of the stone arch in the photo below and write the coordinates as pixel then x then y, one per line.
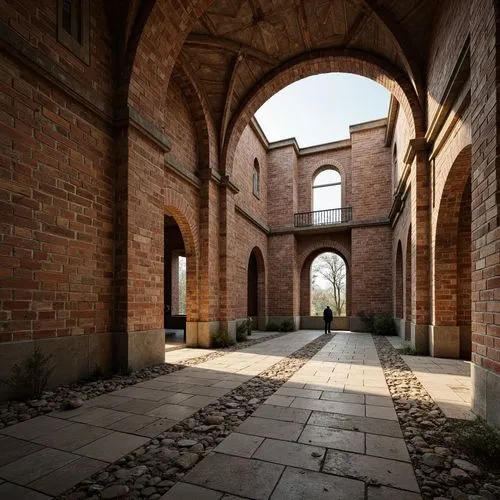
pixel 260 283
pixel 305 261
pixel 398 296
pixel 451 264
pixel 184 216
pixel 335 60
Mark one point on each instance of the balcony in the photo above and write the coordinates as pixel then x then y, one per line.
pixel 323 217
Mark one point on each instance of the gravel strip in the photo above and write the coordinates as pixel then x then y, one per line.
pixel 151 470
pixel 13 412
pixel 442 471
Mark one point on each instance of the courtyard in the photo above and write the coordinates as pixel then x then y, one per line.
pixel 295 416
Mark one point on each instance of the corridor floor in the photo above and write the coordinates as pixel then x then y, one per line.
pixel 330 431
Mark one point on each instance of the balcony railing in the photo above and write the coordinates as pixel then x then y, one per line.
pixel 323 217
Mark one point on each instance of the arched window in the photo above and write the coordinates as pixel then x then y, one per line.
pixel 256 178
pixel 327 190
pixel 395 166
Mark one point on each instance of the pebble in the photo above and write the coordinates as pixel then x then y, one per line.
pixel 186 443
pixel 467 466
pixel 115 491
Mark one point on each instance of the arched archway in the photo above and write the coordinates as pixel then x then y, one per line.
pixel 256 288
pixel 398 306
pixel 408 281
pixel 451 330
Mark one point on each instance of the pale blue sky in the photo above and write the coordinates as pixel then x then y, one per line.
pixel 320 108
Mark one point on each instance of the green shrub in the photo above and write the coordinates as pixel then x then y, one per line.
pixel 287 326
pixel 29 379
pixel 241 332
pixel 222 338
pixel 368 319
pixel 273 327
pixel 477 438
pixel 407 350
pixel 384 324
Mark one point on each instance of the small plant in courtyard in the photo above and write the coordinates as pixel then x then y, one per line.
pixel 221 338
pixel 368 319
pixel 478 439
pixel 287 326
pixel 384 324
pixel 407 350
pixel 29 379
pixel 99 373
pixel 125 371
pixel 272 327
pixel 243 330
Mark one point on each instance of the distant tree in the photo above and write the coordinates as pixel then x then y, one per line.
pixel 329 283
pixel 182 285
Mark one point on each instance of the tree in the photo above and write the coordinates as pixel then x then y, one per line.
pixel 329 275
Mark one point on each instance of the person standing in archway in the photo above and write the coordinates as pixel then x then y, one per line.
pixel 328 318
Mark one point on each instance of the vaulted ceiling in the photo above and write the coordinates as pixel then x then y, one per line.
pixel 236 42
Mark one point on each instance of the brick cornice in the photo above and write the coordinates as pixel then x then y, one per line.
pixel 174 166
pixel 252 218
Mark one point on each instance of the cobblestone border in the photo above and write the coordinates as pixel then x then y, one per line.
pixel 151 470
pixel 13 412
pixel 442 471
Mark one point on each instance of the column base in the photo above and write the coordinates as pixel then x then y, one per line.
pixel 485 391
pixel 139 349
pixel 444 341
pixel 199 333
pixel 419 337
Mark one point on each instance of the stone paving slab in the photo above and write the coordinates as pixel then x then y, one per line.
pixel 270 428
pixel 9 491
pixel 185 491
pixel 368 468
pixel 282 413
pixel 386 493
pixel 387 447
pixel 241 445
pixel 300 484
pixel 333 438
pixel 13 449
pixel 245 477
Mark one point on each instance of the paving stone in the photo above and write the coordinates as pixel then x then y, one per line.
pixel 240 476
pixel 155 428
pixel 199 401
pixel 38 464
pixel 101 417
pixel 139 406
pixel 282 413
pixel 386 493
pixel 201 390
pixel 362 424
pixel 9 491
pixel 108 401
pixel 343 397
pixel 387 447
pixel 67 476
pixel 300 484
pixel 279 400
pixel 303 393
pixel 172 412
pixel 338 439
pixel 132 423
pixel 329 406
pixel 379 401
pixel 142 393
pixel 72 437
pixel 241 445
pixel 384 412
pixel 367 468
pixel 35 427
pixel 13 449
pixel 293 454
pixel 270 428
pixel 185 491
pixel 112 447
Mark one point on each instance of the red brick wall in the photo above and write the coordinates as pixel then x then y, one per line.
pixel 371 175
pixel 180 128
pixel 57 205
pixel 371 265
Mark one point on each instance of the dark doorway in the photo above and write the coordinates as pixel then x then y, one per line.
pixel 174 283
pixel 252 287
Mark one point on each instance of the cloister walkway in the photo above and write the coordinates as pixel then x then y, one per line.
pixel 330 431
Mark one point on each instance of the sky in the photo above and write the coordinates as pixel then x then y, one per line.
pixel 320 108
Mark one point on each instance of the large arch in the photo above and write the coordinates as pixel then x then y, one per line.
pixel 256 284
pixel 316 62
pixel 452 249
pixel 304 266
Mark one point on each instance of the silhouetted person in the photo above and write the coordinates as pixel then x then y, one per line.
pixel 328 317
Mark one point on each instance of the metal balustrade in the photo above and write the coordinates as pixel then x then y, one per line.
pixel 323 217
